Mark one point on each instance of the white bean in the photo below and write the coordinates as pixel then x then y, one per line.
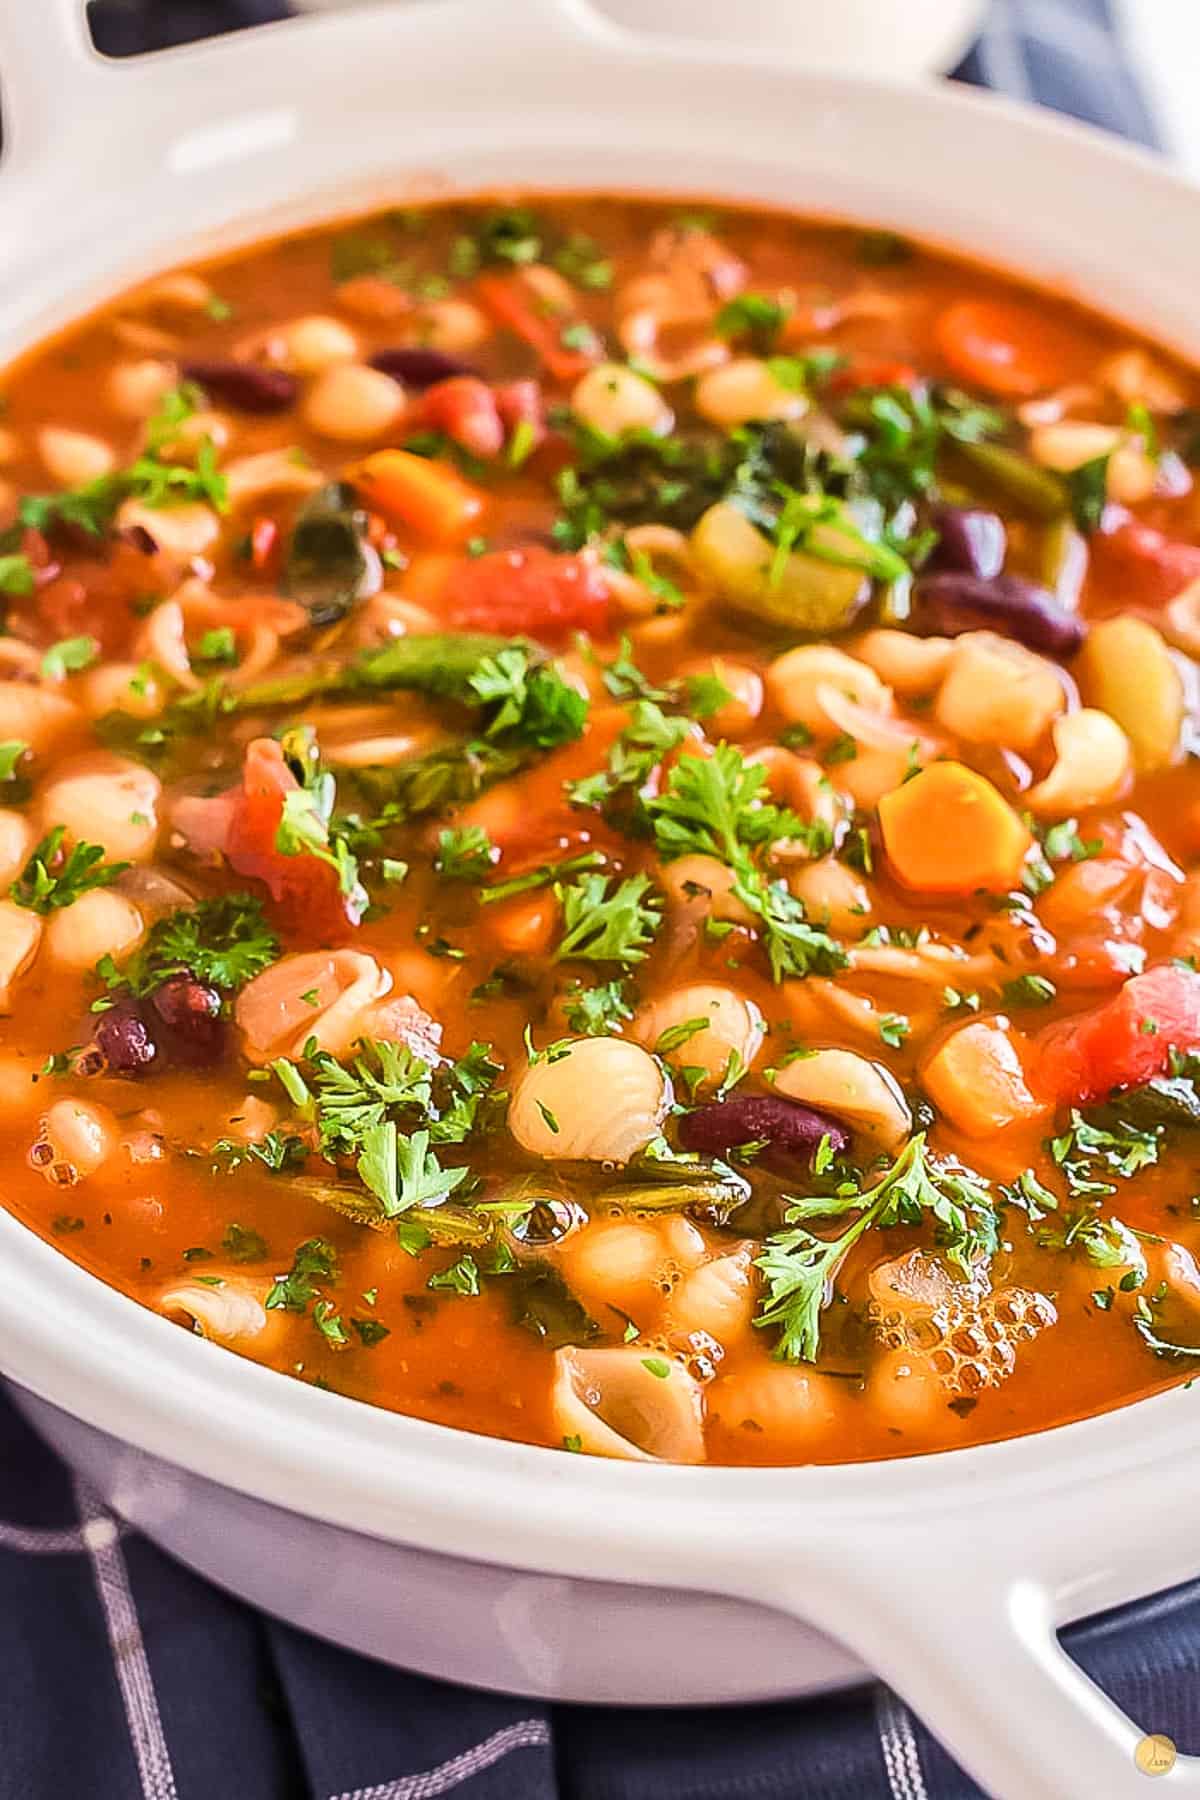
pixel 76 1135
pixel 702 887
pixel 20 935
pixel 997 692
pixel 746 389
pixel 314 343
pixel 1093 763
pixel 73 458
pixel 135 388
pixel 614 399
pixel 353 403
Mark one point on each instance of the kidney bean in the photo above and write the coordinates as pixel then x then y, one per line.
pixel 970 541
pixel 187 1021
pixel 124 1041
pixel 949 604
pixel 419 367
pixel 791 1130
pixel 245 386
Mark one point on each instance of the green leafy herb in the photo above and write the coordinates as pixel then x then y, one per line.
pixel 754 318
pixel 800 1268
pixel 68 657
pixel 1087 491
pixel 16 574
pixel 314 1262
pixel 1029 990
pixel 464 853
pixel 604 926
pixel 223 942
pixel 596 1011
pixel 244 1246
pixel 460 1278
pixel 54 878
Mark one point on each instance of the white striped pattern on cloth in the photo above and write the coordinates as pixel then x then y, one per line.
pixel 34 1540
pixel 102 1539
pixel 898 1742
pixel 526 1734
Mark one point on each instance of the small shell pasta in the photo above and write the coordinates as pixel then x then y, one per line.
pixel 593 1100
pixel 1093 762
pixel 104 800
pixel 730 1030
pixel 795 680
pixel 229 1312
pixel 863 1093
pixel 622 1403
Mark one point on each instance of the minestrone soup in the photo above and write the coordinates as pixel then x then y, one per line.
pixel 601 829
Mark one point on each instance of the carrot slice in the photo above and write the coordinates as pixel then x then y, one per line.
pixel 1004 346
pixel 948 831
pixel 976 1077
pixel 429 497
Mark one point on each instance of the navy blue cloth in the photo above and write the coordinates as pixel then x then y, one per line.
pixel 125 1677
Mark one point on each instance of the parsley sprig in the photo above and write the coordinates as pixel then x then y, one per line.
pixel 800 1268
pixel 715 806
pixel 53 877
pixel 223 942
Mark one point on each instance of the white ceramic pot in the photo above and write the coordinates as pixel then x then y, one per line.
pixel 493 1562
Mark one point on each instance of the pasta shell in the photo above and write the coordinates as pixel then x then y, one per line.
pixel 595 1100
pixel 625 1404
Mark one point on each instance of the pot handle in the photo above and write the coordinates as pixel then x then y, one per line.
pixel 975 1652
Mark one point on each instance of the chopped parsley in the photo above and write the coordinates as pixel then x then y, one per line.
pixel 464 853
pixel 54 878
pixel 799 1268
pixel 607 926
pixel 223 942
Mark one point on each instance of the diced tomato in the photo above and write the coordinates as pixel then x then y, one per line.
pixel 305 888
pixel 1143 567
pixel 517 305
pixel 532 591
pixel 1123 1043
pixel 522 403
pixel 465 409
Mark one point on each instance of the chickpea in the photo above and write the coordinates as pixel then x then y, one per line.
pixel 744 685
pixel 106 800
pixel 614 1262
pixel 832 894
pixel 315 343
pixel 353 403
pixel 16 841
pixel 599 1100
pixel 703 887
pixel 745 389
pixel 77 1137
pixel 73 458
pixel 99 923
pixel 614 399
pixel 135 388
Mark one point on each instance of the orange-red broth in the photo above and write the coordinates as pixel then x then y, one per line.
pixel 147 1225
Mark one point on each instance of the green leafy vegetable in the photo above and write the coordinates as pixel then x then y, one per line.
pixel 604 926
pixel 224 942
pixel 54 878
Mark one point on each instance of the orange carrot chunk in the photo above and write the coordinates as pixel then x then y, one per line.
pixel 948 831
pixel 429 497
pixel 1005 346
pixel 976 1078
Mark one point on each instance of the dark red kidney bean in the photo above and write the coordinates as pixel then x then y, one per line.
pixel 123 1040
pixel 244 386
pixel 186 1020
pixel 791 1130
pixel 970 541
pixel 418 367
pixel 949 604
